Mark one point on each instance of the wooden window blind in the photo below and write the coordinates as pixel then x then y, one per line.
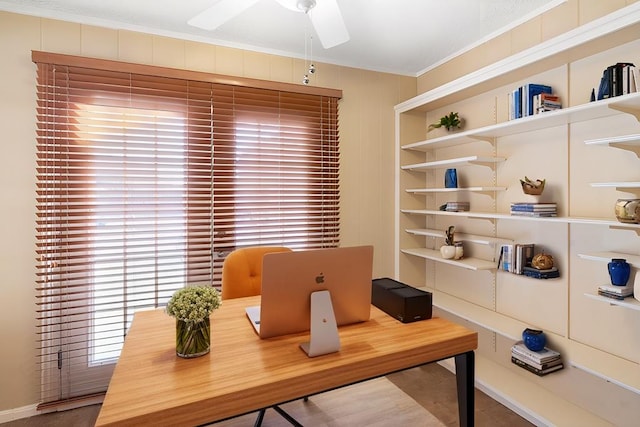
pixel 146 179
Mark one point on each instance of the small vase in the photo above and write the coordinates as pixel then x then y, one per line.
pixel 619 271
pixel 459 250
pixel 448 251
pixel 534 339
pixel 451 178
pixel 193 339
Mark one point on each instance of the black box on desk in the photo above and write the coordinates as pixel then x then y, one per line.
pixel 401 301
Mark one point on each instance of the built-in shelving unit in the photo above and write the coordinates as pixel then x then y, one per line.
pixel 505 304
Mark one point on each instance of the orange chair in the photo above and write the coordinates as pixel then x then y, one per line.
pixel 242 271
pixel 242 277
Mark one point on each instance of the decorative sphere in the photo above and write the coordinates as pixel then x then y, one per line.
pixel 534 339
pixel 542 261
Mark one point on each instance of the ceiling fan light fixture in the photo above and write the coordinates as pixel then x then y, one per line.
pixel 298 5
pixel 305 5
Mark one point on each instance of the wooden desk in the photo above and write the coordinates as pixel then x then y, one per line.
pixel 242 373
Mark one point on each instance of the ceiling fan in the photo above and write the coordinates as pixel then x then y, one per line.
pixel 325 16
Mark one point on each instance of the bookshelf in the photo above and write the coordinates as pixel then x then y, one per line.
pixel 493 152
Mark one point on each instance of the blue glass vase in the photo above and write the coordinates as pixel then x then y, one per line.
pixel 534 339
pixel 619 271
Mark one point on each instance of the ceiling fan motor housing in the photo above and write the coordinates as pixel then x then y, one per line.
pixel 305 5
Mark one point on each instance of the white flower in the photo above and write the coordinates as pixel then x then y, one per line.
pixel 193 303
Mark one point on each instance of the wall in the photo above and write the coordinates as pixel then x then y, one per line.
pixel 367 152
pixel 550 24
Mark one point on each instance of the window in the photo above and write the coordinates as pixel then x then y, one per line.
pixel 146 180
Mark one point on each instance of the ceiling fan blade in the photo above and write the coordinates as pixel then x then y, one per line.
pixel 328 23
pixel 219 13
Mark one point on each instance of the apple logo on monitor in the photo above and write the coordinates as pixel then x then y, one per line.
pixel 320 278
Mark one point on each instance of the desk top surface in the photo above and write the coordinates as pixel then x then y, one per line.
pixel 242 373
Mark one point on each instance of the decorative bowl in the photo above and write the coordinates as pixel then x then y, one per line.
pixel 542 261
pixel 531 187
pixel 628 210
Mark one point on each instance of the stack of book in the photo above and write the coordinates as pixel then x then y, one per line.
pixel 527 100
pixel 615 292
pixel 534 209
pixel 619 79
pixel 538 362
pixel 549 273
pixel 546 102
pixel 457 207
pixel 514 258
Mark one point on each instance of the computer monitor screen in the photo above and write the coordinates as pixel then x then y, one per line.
pixel 289 278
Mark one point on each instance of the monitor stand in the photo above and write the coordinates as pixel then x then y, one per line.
pixel 324 337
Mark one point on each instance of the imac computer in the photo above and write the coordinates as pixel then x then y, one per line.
pixel 314 290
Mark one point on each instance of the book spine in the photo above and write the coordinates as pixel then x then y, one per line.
pixel 540 366
pixel 536 371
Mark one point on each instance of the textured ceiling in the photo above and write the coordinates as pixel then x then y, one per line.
pixel 398 36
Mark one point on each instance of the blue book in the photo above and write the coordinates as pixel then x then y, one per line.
pixel 530 91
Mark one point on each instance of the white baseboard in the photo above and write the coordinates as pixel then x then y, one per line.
pixel 18 413
pixel 32 410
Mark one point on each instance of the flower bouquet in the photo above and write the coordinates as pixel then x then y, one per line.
pixel 191 306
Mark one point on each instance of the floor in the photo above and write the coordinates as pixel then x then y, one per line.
pixel 432 386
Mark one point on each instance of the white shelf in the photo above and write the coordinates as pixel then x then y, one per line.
pixel 558 219
pixel 467 263
pixel 594 110
pixel 628 302
pixel 626 142
pixel 633 260
pixel 482 316
pixel 517 390
pixel 620 184
pixel 471 238
pixel 470 160
pixel 607 366
pixel 524 394
pixel 454 190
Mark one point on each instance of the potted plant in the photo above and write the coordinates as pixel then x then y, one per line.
pixel 450 121
pixel 448 250
pixel 192 306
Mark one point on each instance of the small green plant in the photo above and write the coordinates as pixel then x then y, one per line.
pixel 450 121
pixel 448 240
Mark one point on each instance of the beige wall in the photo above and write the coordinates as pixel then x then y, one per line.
pixel 367 150
pixel 561 19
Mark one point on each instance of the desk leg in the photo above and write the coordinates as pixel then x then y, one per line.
pixel 465 378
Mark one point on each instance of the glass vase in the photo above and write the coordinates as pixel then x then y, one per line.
pixel 193 339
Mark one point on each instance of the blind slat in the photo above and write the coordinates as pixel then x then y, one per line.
pixel 145 182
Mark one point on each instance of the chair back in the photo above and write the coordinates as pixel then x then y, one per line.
pixel 242 271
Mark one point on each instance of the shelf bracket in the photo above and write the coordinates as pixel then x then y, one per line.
pixel 629 110
pixel 616 227
pixel 488 139
pixel 628 147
